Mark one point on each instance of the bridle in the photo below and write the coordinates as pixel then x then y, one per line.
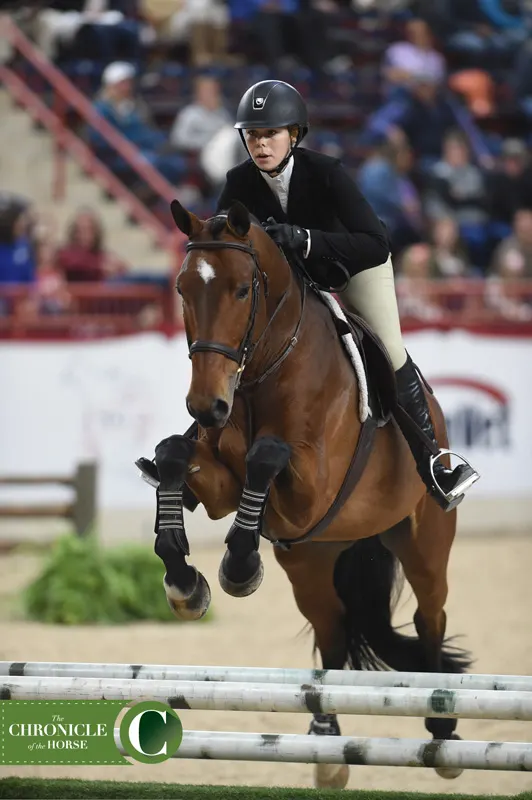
pixel 243 354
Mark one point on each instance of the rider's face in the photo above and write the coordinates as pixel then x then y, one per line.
pixel 268 146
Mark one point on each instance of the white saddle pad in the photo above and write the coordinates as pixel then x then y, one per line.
pixel 352 351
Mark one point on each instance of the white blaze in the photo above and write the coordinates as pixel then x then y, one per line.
pixel 205 270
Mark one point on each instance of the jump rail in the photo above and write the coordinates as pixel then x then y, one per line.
pixel 398 702
pixel 324 677
pixel 296 748
pixel 299 690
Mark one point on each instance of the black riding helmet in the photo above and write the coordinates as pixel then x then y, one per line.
pixel 272 104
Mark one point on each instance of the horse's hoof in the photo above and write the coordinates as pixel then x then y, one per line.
pixel 450 773
pixel 191 606
pixel 241 588
pixel 331 776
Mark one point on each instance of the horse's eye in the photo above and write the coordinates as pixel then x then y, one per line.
pixel 242 293
pixel 178 290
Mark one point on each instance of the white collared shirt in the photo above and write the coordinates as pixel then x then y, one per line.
pixel 280 186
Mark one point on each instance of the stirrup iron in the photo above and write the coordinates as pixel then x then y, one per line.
pixel 454 496
pixel 148 471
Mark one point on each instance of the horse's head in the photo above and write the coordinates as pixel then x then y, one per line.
pixel 224 290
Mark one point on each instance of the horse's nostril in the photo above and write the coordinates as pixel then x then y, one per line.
pixel 219 409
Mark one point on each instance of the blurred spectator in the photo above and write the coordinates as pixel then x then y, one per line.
pixel 513 256
pixel 523 78
pixel 456 186
pixel 503 296
pixel 512 261
pixel 197 123
pixel 415 290
pixel 274 24
pixel 385 183
pixel 497 15
pixel 449 254
pixel 11 202
pixel 89 27
pixel 416 262
pixel 49 292
pixel 313 25
pixel 509 186
pixel 223 152
pixel 17 262
pixel 425 117
pixel 287 32
pixel 477 89
pixel 200 23
pixel 484 31
pixel 119 105
pixel 84 257
pixel 416 55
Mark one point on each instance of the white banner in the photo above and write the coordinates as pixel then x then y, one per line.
pixel 112 401
pixel 484 385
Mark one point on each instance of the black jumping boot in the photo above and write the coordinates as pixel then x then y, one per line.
pixel 446 486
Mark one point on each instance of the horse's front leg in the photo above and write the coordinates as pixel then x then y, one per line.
pixel 178 460
pixel 241 570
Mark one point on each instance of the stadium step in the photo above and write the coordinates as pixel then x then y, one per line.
pixel 27 168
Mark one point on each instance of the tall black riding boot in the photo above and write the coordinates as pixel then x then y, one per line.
pixel 447 486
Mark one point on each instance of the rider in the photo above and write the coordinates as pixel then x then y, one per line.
pixel 313 210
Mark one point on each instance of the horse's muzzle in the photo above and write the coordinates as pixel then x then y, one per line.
pixel 214 417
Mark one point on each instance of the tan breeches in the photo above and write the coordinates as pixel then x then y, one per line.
pixel 372 293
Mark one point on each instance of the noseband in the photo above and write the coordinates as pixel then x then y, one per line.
pixel 246 348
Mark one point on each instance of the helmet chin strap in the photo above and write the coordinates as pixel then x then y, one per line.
pixel 279 168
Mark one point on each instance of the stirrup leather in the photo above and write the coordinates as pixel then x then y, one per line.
pixel 454 496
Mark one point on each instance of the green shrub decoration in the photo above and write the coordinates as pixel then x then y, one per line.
pixel 82 583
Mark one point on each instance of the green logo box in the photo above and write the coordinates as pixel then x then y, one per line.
pixel 83 732
pixel 59 732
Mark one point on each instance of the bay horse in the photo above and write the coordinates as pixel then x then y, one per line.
pixel 276 403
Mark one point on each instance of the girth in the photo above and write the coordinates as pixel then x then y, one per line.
pixel 354 473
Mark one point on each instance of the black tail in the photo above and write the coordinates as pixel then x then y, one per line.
pixel 368 580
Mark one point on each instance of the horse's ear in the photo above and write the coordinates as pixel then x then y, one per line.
pixel 238 219
pixel 188 223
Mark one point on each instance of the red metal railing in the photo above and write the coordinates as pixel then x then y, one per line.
pixel 477 305
pixel 66 95
pixel 68 142
pixel 97 310
pixel 87 311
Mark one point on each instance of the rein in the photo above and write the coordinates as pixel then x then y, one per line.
pixel 247 347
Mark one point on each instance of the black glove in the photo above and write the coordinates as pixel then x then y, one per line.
pixel 289 237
